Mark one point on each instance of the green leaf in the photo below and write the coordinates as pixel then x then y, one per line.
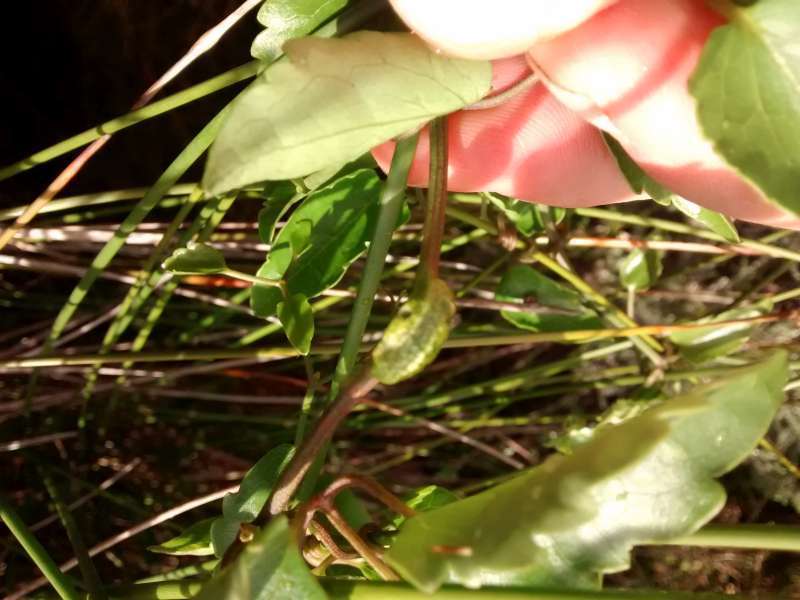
pixel 521 283
pixel 707 343
pixel 334 225
pixel 269 567
pixel 298 322
pixel 640 269
pixel 194 541
pixel 333 100
pixel 195 258
pixel 648 479
pixel 415 335
pixel 716 222
pixel 289 19
pixel 280 198
pixel 244 505
pixel 425 499
pixel 747 88
pixel 527 217
pixel 639 181
pixel 223 533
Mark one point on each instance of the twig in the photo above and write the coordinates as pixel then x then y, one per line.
pixel 203 44
pixel 26 589
pixel 38 554
pixel 445 431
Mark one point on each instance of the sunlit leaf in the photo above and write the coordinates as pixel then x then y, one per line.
pixel 194 259
pixel 334 99
pixel 280 198
pixel 297 320
pixel 639 181
pixel 333 226
pixel 707 343
pixel 528 218
pixel 649 479
pixel 425 499
pixel 269 567
pixel 244 505
pixel 640 269
pixel 523 283
pixel 289 19
pixel 194 541
pixel 747 88
pixel 716 222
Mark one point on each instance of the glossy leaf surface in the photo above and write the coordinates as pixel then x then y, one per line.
pixel 332 100
pixel 322 237
pixel 648 479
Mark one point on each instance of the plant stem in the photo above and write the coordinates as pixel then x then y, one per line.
pixel 169 178
pixel 758 537
pixel 91 579
pixel 647 345
pixel 464 341
pixel 278 283
pixel 391 203
pixel 155 109
pixel 375 590
pixel 433 230
pixel 37 553
pixel 323 431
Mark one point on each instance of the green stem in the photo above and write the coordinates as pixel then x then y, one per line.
pixel 750 536
pixel 148 112
pixel 37 553
pixel 98 199
pixel 391 203
pixel 433 230
pixel 674 227
pixel 471 341
pixel 342 400
pixel 169 178
pixel 375 590
pixel 233 273
pixel 91 579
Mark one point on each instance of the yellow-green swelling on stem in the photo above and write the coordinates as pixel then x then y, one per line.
pixel 391 203
pixel 38 554
pixel 341 401
pixel 417 333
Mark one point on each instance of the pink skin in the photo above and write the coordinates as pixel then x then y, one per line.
pixel 530 147
pixel 621 66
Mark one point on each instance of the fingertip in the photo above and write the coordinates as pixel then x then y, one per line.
pixel 479 29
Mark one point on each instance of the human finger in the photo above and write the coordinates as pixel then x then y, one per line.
pixel 492 29
pixel 626 70
pixel 531 148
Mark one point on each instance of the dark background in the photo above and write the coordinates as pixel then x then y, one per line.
pixel 68 65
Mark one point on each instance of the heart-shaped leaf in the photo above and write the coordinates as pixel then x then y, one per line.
pixel 640 269
pixel 716 222
pixel 289 19
pixel 196 259
pixel 521 283
pixel 707 343
pixel 747 88
pixel 333 100
pixel 333 225
pixel 194 541
pixel 244 505
pixel 648 479
pixel 297 320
